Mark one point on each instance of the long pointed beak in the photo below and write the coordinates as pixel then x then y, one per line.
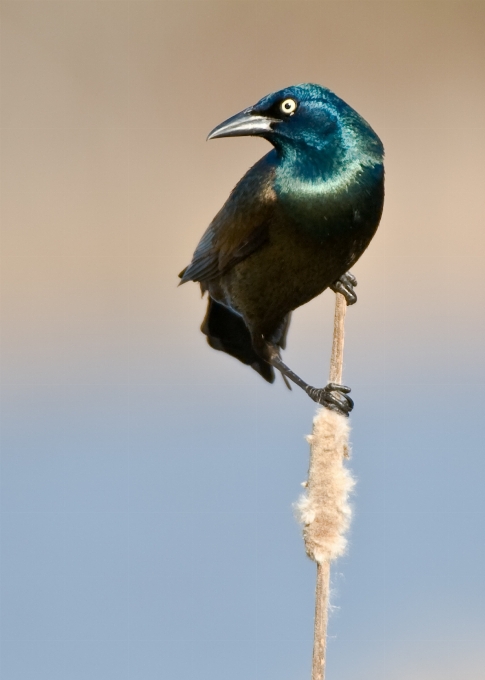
pixel 242 124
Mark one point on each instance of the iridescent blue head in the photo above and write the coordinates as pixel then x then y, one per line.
pixel 306 118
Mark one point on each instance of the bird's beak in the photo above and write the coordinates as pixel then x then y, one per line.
pixel 245 123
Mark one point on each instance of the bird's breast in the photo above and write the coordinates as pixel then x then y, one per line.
pixel 325 205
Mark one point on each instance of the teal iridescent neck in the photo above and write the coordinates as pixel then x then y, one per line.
pixel 332 173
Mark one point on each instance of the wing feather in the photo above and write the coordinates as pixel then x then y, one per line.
pixel 239 228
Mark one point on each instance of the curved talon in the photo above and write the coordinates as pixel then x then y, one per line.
pixel 340 401
pixel 333 397
pixel 337 387
pixel 345 286
pixel 350 278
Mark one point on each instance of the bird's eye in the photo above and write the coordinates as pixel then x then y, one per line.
pixel 288 106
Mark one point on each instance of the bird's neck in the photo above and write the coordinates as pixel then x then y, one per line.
pixel 312 183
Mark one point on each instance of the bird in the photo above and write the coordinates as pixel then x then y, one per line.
pixel 292 227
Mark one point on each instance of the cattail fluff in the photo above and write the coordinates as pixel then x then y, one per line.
pixel 324 509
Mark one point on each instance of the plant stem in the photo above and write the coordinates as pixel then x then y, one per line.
pixel 323 567
pixel 321 620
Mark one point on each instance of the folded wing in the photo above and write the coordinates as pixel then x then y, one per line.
pixel 239 229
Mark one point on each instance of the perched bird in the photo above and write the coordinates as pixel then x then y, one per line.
pixel 292 227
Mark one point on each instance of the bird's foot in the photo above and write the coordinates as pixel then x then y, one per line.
pixel 345 285
pixel 332 396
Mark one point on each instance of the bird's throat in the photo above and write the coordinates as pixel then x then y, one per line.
pixel 321 190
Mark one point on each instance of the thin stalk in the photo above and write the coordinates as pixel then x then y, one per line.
pixel 321 620
pixel 322 591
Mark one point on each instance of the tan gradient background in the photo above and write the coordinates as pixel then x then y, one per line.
pixel 107 184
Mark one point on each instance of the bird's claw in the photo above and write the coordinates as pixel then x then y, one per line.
pixel 345 285
pixel 332 396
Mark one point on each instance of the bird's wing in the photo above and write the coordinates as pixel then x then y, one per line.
pixel 239 228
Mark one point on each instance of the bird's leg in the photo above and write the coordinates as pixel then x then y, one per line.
pixel 345 285
pixel 332 396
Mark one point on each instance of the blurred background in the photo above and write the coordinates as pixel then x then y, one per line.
pixel 148 481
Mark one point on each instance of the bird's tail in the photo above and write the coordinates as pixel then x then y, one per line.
pixel 226 331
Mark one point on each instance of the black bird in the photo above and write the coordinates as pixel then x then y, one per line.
pixel 292 227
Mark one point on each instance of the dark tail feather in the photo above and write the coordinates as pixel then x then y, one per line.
pixel 226 331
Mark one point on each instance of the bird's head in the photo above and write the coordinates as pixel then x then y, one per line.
pixel 300 116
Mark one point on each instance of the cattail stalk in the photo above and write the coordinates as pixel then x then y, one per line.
pixel 324 509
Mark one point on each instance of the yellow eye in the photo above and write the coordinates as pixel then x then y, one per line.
pixel 288 106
